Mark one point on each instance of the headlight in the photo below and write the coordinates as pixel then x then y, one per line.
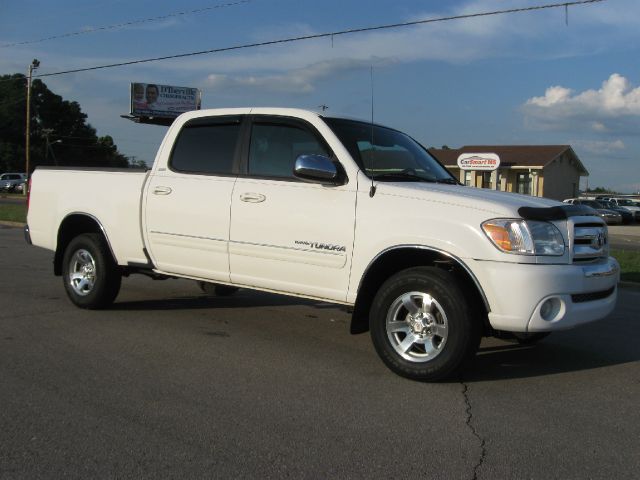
pixel 524 237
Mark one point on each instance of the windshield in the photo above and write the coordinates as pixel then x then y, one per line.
pixel 388 155
pixel 592 203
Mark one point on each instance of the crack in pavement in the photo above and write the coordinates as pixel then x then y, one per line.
pixel 483 452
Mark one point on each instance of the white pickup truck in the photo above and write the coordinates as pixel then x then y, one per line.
pixel 293 202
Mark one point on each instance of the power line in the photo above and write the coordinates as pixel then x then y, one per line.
pixel 323 35
pixel 127 24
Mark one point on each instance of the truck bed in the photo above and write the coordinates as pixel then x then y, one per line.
pixel 112 196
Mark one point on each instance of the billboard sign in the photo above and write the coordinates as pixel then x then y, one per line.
pixel 478 161
pixel 154 100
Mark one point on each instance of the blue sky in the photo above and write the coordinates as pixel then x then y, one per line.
pixel 526 78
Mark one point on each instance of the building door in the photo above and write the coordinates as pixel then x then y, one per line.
pixel 523 183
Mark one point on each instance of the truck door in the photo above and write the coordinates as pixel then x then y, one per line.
pixel 187 203
pixel 286 234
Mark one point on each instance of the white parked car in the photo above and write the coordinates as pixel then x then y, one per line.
pixel 293 202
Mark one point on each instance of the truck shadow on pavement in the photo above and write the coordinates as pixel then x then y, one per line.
pixel 241 299
pixel 609 342
pixel 562 352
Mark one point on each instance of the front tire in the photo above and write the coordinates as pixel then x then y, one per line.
pixel 422 325
pixel 91 276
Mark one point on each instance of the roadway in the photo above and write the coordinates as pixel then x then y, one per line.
pixel 172 383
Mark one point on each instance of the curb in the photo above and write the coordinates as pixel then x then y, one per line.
pixel 12 224
pixel 629 285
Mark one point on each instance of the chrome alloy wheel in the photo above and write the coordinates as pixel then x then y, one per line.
pixel 417 327
pixel 82 272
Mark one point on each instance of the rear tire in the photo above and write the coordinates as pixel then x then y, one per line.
pixel 421 324
pixel 91 276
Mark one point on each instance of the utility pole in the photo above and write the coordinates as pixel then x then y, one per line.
pixel 34 65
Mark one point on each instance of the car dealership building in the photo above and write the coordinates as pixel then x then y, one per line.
pixel 551 171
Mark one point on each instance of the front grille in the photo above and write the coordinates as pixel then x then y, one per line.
pixel 590 297
pixel 590 242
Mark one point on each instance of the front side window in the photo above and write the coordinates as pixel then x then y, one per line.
pixel 274 149
pixel 592 204
pixel 206 148
pixel 386 154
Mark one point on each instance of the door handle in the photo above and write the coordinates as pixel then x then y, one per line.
pixel 252 197
pixel 162 191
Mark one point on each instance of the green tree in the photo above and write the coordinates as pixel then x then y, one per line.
pixel 54 117
pixel 600 190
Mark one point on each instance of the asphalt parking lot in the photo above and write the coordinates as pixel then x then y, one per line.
pixel 171 383
pixel 625 237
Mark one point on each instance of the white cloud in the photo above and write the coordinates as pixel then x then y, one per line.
pixel 599 147
pixel 517 35
pixel 301 80
pixel 615 106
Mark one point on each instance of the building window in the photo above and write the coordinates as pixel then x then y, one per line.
pixel 523 183
pixel 467 178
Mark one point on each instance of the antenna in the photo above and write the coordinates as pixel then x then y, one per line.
pixel 372 190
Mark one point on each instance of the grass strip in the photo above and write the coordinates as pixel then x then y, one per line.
pixel 629 264
pixel 13 213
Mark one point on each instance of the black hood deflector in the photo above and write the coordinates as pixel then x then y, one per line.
pixel 561 212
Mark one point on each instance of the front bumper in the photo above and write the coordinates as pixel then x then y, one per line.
pixel 574 294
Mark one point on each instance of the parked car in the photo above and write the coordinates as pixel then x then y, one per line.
pixel 12 182
pixel 628 204
pixel 627 216
pixel 610 216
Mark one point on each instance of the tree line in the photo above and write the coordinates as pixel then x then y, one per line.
pixel 60 134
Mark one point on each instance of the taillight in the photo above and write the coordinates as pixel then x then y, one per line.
pixel 28 193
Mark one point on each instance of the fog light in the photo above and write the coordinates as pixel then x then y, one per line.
pixel 550 308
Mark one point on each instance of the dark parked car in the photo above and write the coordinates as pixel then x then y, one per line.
pixel 609 216
pixel 627 216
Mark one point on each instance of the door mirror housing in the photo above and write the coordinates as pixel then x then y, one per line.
pixel 317 169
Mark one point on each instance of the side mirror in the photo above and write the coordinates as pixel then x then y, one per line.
pixel 316 169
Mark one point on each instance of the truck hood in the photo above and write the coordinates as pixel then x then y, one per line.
pixel 492 202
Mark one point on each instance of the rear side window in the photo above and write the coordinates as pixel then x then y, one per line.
pixel 275 148
pixel 206 149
